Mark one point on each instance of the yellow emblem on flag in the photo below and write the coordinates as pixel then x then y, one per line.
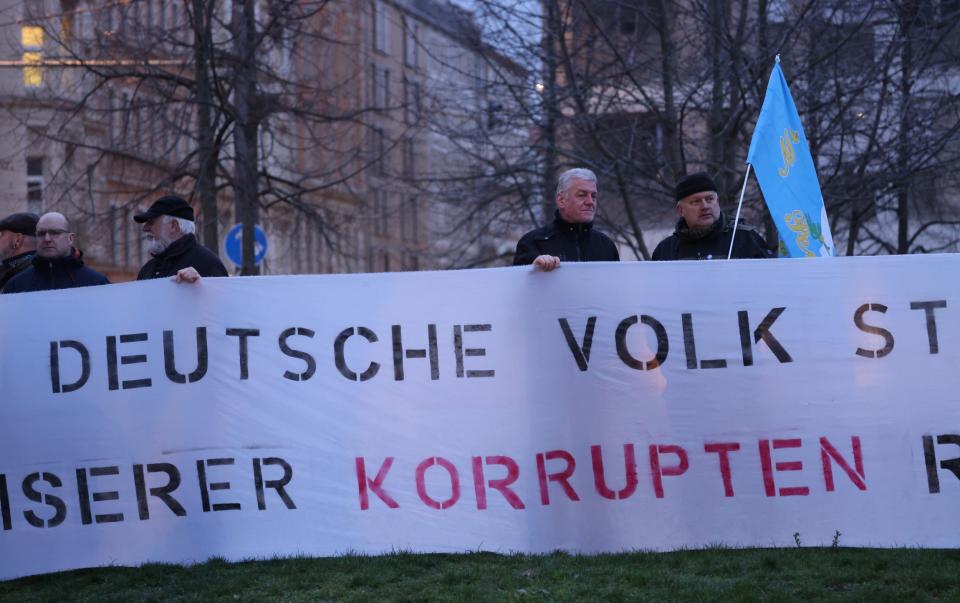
pixel 789 138
pixel 797 222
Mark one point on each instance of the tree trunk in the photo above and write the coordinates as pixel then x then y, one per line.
pixel 207 154
pixel 668 65
pixel 903 134
pixel 549 130
pixel 717 24
pixel 245 134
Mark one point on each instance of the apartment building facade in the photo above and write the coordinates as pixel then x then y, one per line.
pixel 362 109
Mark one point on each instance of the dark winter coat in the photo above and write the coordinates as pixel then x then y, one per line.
pixel 569 242
pixel 183 253
pixel 714 244
pixel 55 273
pixel 11 267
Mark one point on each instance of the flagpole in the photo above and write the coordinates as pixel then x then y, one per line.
pixel 736 220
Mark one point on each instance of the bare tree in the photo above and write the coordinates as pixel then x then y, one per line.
pixel 295 110
pixel 646 91
pixel 273 106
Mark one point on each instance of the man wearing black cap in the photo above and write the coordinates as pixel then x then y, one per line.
pixel 169 228
pixel 703 232
pixel 18 244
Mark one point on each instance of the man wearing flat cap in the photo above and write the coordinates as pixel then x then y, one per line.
pixel 18 244
pixel 703 232
pixel 169 227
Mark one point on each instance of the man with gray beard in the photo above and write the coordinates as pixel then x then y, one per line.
pixel 169 228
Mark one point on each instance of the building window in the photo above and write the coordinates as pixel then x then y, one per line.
pixel 410 220
pixel 136 21
pixel 136 116
pixel 138 241
pixel 377 151
pixel 381 222
pixel 410 36
pixel 35 185
pixel 152 129
pixel 380 86
pixel 125 115
pixel 628 21
pixel 68 32
pixel 126 224
pixel 112 230
pixel 479 74
pixel 381 32
pixel 385 88
pixel 149 17
pixel 411 262
pixel 409 159
pixel 493 114
pixel 31 38
pixel 165 122
pixel 184 132
pixel 113 117
pixel 107 18
pixel 411 105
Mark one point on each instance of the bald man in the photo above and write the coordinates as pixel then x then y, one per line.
pixel 57 263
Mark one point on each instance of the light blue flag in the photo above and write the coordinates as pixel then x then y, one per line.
pixel 780 155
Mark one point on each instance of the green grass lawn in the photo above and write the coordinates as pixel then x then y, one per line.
pixel 701 575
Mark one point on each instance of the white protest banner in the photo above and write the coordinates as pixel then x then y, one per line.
pixel 601 407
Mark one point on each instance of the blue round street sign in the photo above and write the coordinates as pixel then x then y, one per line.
pixel 233 244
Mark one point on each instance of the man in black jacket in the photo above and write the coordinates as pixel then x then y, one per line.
pixel 18 244
pixel 571 237
pixel 57 264
pixel 169 227
pixel 703 232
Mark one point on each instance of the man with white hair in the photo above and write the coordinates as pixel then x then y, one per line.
pixel 169 228
pixel 571 237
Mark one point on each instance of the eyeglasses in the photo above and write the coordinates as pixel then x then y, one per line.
pixel 52 232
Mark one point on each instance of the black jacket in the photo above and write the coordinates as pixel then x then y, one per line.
pixel 11 267
pixel 183 253
pixel 685 244
pixel 55 273
pixel 569 242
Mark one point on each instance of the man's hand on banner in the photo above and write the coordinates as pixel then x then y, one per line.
pixel 186 275
pixel 546 262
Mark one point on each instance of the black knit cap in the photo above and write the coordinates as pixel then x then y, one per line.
pixel 691 184
pixel 170 205
pixel 21 223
